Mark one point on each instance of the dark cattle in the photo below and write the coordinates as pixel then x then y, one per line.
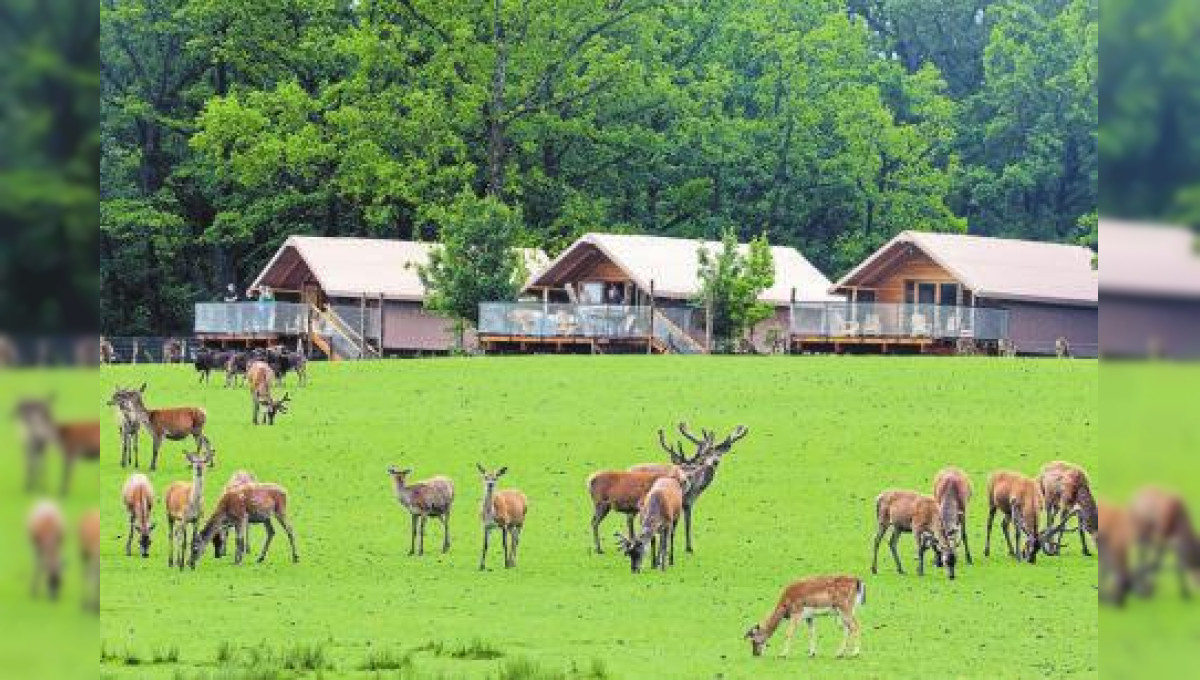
pixel 209 360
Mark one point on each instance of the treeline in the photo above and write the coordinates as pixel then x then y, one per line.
pixel 828 125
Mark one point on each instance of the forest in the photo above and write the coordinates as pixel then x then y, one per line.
pixel 827 125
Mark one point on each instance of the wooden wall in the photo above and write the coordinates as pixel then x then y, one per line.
pixel 914 266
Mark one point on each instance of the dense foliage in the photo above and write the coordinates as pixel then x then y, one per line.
pixel 828 125
pixel 731 279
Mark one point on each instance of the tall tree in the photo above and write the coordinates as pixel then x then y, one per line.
pixel 731 280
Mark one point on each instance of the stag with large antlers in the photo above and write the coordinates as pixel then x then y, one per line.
pixel 707 456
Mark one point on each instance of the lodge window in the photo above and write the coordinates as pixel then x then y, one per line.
pixel 929 293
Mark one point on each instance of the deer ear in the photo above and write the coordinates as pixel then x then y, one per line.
pixel 479 466
pixel 502 471
pixel 142 389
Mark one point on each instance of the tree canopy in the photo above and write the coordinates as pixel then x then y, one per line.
pixel 827 125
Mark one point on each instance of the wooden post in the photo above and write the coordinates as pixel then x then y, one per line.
pixel 381 325
pixel 650 340
pixel 791 323
pixel 134 356
pixel 362 325
pixel 708 324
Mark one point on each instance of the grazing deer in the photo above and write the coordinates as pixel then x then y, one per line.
pixel 260 376
pixel 172 424
pixel 241 506
pixel 619 490
pixel 1114 543
pixel 185 505
pixel 707 450
pixel 89 552
pixel 1067 491
pixel 504 510
pixel 1020 500
pixel 807 599
pixel 911 512
pixel 952 491
pixel 138 496
pixel 76 440
pixel 1162 523
pixel 46 532
pixel 433 497
pixel 221 541
pixel 658 517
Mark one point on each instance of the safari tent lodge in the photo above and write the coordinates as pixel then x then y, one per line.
pixel 945 293
pixel 347 297
pixel 632 293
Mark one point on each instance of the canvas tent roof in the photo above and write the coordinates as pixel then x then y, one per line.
pixel 672 264
pixel 350 267
pixel 998 268
pixel 1149 260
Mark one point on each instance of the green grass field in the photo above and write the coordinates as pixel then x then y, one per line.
pixel 795 498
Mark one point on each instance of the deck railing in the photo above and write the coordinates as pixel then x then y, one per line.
pixel 884 320
pixel 249 318
pixel 541 320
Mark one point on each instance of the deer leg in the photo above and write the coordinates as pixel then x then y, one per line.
pixel 598 515
pixel 254 418
pixel 291 536
pixel 446 533
pixel 893 543
pixel 156 440
pixel 852 630
pixel 137 460
pixel 516 539
pixel 270 529
pixel 811 624
pixel 878 539
pixel 68 463
pixel 412 545
pixel 787 637
pixel 987 543
pixel 1083 539
pixel 421 536
pixel 962 524
pixel 671 538
pixel 629 526
pixel 687 527
pixel 171 542
pixel 922 546
pixel 487 531
pixel 129 537
pixel 504 544
pixel 1004 529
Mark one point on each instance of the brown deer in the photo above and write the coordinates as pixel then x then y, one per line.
pixel 952 490
pixel 911 512
pixel 76 440
pixel 1114 543
pixel 658 517
pixel 807 599
pixel 185 505
pixel 46 533
pixel 173 424
pixel 1020 500
pixel 433 497
pixel 504 510
pixel 138 496
pixel 707 449
pixel 1162 523
pixel 1068 492
pixel 260 377
pixel 89 552
pixel 221 541
pixel 618 490
pixel 241 506
pixel 128 427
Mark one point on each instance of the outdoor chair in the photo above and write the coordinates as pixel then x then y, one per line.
pixel 919 325
pixel 872 326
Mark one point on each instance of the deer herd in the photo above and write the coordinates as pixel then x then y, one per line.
pixel 655 497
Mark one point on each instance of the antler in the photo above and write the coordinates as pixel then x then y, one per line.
pixel 683 430
pixel 675 452
pixel 738 433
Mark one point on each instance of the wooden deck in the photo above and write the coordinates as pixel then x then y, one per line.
pixel 861 344
pixel 566 344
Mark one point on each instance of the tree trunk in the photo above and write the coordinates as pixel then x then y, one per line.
pixel 496 131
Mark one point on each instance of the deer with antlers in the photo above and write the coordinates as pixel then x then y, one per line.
pixel 239 507
pixel 952 492
pixel 1068 492
pixel 658 517
pixel 807 599
pixel 503 510
pixel 911 512
pixel 260 376
pixel 185 505
pixel 1020 500
pixel 707 457
pixel 173 424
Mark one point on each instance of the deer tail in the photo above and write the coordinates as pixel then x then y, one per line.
pixel 860 597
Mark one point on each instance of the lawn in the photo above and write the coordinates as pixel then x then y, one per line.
pixel 794 498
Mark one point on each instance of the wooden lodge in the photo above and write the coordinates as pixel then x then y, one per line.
pixel 347 297
pixel 943 293
pixel 633 293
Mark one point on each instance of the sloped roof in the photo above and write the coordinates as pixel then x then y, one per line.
pixel 1000 268
pixel 1149 259
pixel 672 264
pixel 350 267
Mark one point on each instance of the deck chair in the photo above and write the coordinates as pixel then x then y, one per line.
pixel 850 327
pixel 872 326
pixel 919 325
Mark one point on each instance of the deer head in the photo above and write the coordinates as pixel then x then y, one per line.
pixel 1034 540
pixel 758 639
pixel 490 478
pixel 634 549
pixel 198 462
pixel 144 533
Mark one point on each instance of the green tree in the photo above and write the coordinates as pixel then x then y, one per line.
pixel 731 280
pixel 477 261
